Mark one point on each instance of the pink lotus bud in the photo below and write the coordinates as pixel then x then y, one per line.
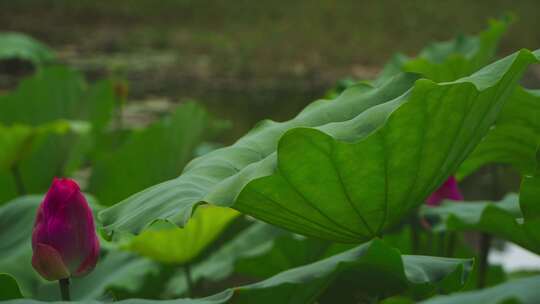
pixel 64 238
pixel 448 190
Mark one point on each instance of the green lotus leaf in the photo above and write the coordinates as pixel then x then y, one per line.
pixel 514 138
pixel 516 134
pixel 351 186
pixel 228 169
pixel 373 158
pixel 450 60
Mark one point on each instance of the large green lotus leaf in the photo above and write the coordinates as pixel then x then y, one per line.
pixel 530 193
pixel 115 270
pixel 516 133
pixel 514 138
pixel 346 180
pixel 523 291
pixel 392 68
pixel 19 46
pixel 149 156
pixel 450 60
pixel 381 270
pixel 57 93
pixel 228 169
pixel 351 186
pixel 180 245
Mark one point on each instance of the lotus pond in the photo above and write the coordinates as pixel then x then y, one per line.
pixel 416 184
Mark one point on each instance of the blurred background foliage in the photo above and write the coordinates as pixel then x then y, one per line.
pixel 122 94
pixel 252 59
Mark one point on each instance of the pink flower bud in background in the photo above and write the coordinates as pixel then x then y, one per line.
pixel 64 239
pixel 448 190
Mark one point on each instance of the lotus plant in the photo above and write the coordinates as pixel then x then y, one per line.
pixel 64 240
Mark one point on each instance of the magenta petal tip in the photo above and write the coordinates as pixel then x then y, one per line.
pixel 448 190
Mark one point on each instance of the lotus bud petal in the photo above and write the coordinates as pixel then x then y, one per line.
pixel 64 240
pixel 448 190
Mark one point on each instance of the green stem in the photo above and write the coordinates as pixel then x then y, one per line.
pixel 429 243
pixel 415 237
pixel 485 244
pixel 485 239
pixel 440 243
pixel 119 113
pixel 189 281
pixel 21 189
pixel 495 183
pixel 64 289
pixel 450 247
pixel 120 101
